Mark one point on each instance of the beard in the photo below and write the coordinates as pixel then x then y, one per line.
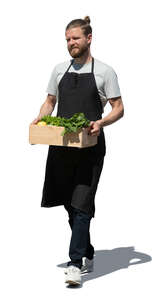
pixel 78 52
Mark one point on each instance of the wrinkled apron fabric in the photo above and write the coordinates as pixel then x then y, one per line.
pixel 72 174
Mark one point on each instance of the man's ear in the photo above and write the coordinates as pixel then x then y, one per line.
pixel 89 37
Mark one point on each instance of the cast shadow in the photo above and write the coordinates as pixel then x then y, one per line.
pixel 108 261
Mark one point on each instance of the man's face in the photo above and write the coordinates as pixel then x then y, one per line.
pixel 77 42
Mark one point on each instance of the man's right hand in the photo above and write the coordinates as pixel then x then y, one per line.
pixel 35 121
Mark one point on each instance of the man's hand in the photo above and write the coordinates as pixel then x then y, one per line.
pixel 94 128
pixel 35 121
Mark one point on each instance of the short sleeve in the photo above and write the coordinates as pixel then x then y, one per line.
pixel 52 84
pixel 111 85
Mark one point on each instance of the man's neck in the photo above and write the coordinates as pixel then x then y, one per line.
pixel 86 58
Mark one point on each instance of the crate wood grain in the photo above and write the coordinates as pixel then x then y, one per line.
pixel 51 135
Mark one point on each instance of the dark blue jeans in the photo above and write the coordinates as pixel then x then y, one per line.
pixel 80 245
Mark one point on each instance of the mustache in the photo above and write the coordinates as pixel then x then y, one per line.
pixel 74 48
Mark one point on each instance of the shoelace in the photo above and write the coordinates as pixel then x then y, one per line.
pixel 72 268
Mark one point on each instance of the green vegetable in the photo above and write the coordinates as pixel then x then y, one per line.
pixel 77 121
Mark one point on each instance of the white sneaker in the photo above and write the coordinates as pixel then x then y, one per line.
pixel 88 265
pixel 73 275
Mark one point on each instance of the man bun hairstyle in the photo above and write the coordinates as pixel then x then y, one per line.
pixel 87 19
pixel 84 24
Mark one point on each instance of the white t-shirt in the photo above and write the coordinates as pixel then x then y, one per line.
pixel 105 76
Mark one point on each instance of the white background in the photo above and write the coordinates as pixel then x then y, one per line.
pixel 129 36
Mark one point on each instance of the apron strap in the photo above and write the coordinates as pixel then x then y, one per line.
pixel 92 64
pixel 70 65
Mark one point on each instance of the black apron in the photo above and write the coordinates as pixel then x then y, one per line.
pixel 72 174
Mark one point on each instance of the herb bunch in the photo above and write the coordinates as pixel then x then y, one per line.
pixel 77 121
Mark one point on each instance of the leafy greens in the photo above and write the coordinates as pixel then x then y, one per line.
pixel 77 121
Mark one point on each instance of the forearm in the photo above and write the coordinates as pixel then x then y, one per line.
pixel 46 109
pixel 112 117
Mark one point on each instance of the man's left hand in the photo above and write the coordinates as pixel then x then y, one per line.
pixel 94 128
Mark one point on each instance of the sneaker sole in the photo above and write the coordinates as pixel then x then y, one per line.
pixel 72 282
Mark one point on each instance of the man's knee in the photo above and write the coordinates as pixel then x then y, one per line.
pixel 81 214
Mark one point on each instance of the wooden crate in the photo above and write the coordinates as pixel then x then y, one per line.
pixel 51 135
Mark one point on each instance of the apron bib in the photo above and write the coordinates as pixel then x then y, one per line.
pixel 72 174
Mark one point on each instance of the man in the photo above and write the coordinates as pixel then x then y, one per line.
pixel 83 84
